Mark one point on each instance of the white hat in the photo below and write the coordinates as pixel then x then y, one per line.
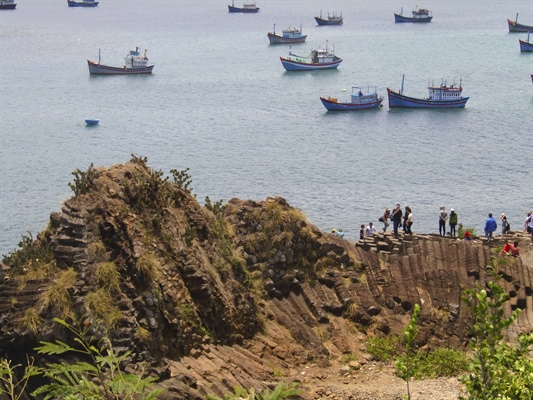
pixel 452 209
pixel 503 215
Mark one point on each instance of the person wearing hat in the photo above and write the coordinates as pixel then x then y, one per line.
pixel 453 221
pixel 505 224
pixel 443 217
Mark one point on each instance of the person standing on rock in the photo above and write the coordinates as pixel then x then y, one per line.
pixel 505 224
pixel 408 220
pixel 490 227
pixel 396 219
pixel 453 221
pixel 362 232
pixel 443 216
pixel 385 219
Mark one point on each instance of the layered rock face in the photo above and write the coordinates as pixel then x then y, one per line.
pixel 221 295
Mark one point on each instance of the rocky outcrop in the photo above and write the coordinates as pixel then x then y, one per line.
pixel 216 296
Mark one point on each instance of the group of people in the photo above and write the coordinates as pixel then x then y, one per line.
pixel 404 220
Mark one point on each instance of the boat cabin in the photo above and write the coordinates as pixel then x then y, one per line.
pixel 362 95
pixel 323 56
pixel 292 33
pixel 443 92
pixel 134 59
pixel 249 6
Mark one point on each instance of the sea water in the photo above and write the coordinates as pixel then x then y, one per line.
pixel 220 103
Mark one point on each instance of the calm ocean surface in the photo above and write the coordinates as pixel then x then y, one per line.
pixel 220 103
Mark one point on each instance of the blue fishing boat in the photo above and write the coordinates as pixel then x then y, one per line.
pixel 7 5
pixel 419 15
pixel 330 20
pixel 362 98
pixel 82 3
pixel 289 35
pixel 317 59
pixel 91 121
pixel 246 8
pixel 514 26
pixel 525 47
pixel 441 96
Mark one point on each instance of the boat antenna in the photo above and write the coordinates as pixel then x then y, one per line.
pixel 403 77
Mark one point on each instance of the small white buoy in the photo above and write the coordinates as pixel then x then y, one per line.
pixel 344 90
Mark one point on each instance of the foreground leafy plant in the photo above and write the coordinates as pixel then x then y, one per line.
pixel 498 370
pixel 101 378
pixel 281 391
pixel 11 387
pixel 406 366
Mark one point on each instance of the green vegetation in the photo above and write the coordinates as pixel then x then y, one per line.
pixel 56 295
pixel 32 255
pixel 103 308
pixel 383 348
pixel 498 370
pixel 108 276
pixel 281 391
pixel 405 366
pixel 31 320
pixel 461 231
pixel 84 180
pixel 13 388
pixel 148 266
pixel 97 376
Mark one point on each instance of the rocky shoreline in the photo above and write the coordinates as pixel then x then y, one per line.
pixel 241 293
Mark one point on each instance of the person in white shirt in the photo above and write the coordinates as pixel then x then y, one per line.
pixel 369 231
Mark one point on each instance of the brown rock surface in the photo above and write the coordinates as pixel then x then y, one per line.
pixel 250 293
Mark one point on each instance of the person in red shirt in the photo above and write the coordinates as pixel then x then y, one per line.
pixel 507 249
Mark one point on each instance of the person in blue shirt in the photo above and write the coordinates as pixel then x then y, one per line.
pixel 490 227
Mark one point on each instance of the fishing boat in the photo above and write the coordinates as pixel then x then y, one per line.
pixel 419 15
pixel 91 121
pixel 362 97
pixel 525 46
pixel 317 59
pixel 7 5
pixel 246 8
pixel 440 96
pixel 82 3
pixel 330 20
pixel 514 26
pixel 134 63
pixel 289 35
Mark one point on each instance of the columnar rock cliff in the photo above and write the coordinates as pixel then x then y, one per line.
pixel 231 294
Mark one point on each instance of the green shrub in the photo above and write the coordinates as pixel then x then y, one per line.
pixel 383 348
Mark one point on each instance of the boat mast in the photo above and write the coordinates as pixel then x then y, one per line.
pixel 516 19
pixel 274 29
pixel 403 77
pixel 99 56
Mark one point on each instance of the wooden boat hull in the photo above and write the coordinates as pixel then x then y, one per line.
pixel 399 100
pixel 336 106
pixel 525 46
pixel 322 21
pixel 10 6
pixel 516 27
pixel 291 65
pixel 401 18
pixel 276 39
pixel 99 69
pixel 232 9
